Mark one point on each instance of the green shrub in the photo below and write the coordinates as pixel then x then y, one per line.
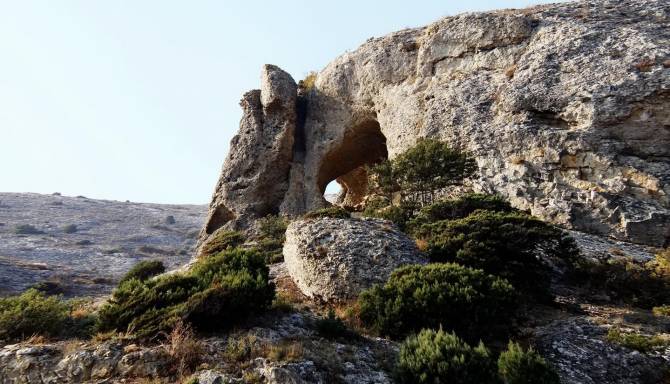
pixel 221 241
pixel 636 341
pixel 27 229
pixel 331 326
pixel 272 227
pixel 271 238
pixel 505 244
pixel 52 286
pixel 422 170
pixel 433 357
pixel 465 300
pixel 32 313
pixel 216 293
pixel 400 215
pixel 144 270
pixel 645 285
pixel 663 310
pixel 333 212
pixel 460 207
pixel 516 366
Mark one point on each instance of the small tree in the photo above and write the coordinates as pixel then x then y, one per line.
pixel 421 171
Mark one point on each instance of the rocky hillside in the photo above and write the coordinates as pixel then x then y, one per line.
pixel 553 256
pixel 82 246
pixel 565 107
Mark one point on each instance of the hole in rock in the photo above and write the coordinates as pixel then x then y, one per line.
pixel 364 144
pixel 332 192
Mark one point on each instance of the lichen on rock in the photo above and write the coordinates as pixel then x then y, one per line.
pixel 334 259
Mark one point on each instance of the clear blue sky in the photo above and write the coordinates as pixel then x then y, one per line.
pixel 139 99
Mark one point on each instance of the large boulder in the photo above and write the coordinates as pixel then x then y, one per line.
pixel 335 259
pixel 565 107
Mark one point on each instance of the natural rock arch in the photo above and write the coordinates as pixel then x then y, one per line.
pixel 362 145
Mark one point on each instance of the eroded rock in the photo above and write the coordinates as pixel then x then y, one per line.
pixel 335 259
pixel 564 107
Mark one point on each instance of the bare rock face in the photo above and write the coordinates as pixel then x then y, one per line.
pixel 255 174
pixel 335 259
pixel 564 106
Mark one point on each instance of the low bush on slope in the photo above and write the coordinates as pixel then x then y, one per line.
pixel 459 208
pixel 434 356
pixel 644 285
pixel 34 313
pixel 144 270
pixel 218 292
pixel 519 366
pixel 439 357
pixel 511 245
pixel 221 241
pixel 272 234
pixel 458 298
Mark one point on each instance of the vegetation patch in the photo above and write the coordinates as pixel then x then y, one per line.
pixel 519 366
pixel 218 292
pixel 459 208
pixel 663 310
pixel 645 285
pixel 27 229
pixel 221 241
pixel 440 357
pixel 334 212
pixel 505 244
pixel 642 343
pixel 144 270
pixel 421 171
pixel 332 327
pixel 270 241
pixel 34 313
pixel 468 301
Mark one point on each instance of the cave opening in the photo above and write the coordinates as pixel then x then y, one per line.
pixel 363 145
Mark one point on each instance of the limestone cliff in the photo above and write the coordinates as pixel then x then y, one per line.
pixel 565 106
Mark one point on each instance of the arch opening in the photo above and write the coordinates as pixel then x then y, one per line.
pixel 363 145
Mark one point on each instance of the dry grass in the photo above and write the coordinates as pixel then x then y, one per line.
pixel 184 349
pixel 71 346
pixel 349 312
pixel 309 81
pixel 284 351
pixel 36 339
pixel 421 244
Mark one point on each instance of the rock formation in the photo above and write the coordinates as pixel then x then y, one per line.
pixel 564 106
pixel 335 259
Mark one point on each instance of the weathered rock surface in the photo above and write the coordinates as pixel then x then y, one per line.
pixel 335 259
pixel 83 246
pixel 578 349
pixel 564 106
pixel 255 174
pixel 316 360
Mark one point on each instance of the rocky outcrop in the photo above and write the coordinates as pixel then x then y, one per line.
pixel 564 106
pixel 335 259
pixel 255 175
pixel 315 359
pixel 578 349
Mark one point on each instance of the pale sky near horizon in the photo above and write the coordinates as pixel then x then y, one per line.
pixel 138 100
